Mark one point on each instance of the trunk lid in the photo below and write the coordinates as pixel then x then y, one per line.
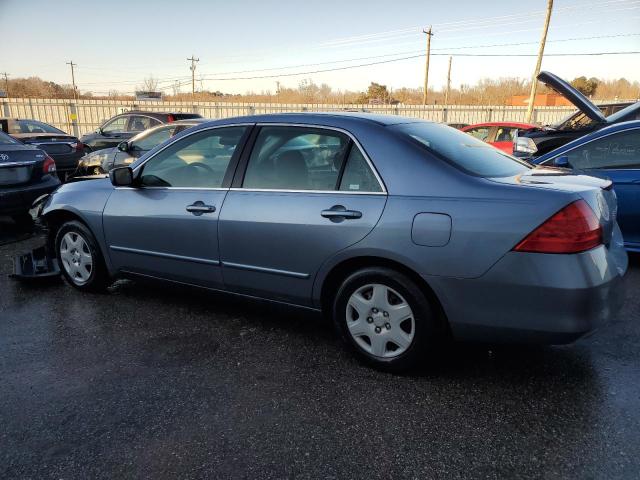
pixel 581 102
pixel 52 143
pixel 20 164
pixel 597 192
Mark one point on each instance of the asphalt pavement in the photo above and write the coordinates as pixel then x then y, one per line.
pixel 155 381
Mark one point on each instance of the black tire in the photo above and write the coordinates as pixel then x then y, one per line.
pixel 98 276
pixel 426 327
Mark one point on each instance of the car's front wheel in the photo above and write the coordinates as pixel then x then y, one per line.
pixel 385 318
pixel 79 257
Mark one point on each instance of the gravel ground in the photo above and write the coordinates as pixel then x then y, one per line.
pixel 155 381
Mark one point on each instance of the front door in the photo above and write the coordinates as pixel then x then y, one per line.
pixel 306 194
pixel 168 225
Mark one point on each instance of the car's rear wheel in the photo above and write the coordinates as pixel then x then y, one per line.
pixel 385 318
pixel 79 257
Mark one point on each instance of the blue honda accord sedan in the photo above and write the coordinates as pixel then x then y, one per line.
pixel 612 153
pixel 404 232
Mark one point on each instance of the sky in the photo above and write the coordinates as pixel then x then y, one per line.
pixel 116 44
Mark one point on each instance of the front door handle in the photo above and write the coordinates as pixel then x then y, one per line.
pixel 198 208
pixel 339 213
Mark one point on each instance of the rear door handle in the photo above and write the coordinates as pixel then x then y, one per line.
pixel 198 208
pixel 339 212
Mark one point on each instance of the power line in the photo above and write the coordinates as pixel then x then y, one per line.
pixel 476 23
pixel 419 56
pixel 411 52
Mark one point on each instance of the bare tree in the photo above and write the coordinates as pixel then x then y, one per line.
pixel 149 84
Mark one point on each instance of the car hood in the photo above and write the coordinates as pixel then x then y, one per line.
pixel 581 102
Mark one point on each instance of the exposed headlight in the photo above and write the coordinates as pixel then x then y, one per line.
pixel 92 160
pixel 524 145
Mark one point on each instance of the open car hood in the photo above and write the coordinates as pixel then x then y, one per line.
pixel 581 102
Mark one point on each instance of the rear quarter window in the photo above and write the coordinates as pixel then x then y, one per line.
pixel 461 150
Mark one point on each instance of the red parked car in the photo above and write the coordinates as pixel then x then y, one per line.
pixel 499 134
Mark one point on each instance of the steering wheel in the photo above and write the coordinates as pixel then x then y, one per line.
pixel 201 165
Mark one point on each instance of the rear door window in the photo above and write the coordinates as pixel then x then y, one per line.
pixel 461 150
pixel 358 176
pixel 616 151
pixel 139 123
pixel 296 158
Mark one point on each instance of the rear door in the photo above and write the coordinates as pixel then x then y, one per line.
pixel 302 194
pixel 168 225
pixel 617 157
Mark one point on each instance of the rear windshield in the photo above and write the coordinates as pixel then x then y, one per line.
pixel 632 112
pixel 462 150
pixel 6 139
pixel 32 126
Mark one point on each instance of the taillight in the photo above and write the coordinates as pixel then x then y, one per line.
pixel 78 146
pixel 573 229
pixel 170 118
pixel 49 165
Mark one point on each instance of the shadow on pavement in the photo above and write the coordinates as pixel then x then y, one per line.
pixel 11 231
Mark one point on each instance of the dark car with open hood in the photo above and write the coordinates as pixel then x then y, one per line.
pixel 26 173
pixel 587 119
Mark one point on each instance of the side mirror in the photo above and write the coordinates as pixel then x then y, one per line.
pixel 561 161
pixel 123 146
pixel 121 177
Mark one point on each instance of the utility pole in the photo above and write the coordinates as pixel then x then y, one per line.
pixel 534 79
pixel 446 95
pixel 426 68
pixel 193 76
pixel 6 82
pixel 73 80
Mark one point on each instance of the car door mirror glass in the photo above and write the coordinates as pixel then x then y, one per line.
pixel 121 177
pixel 562 161
pixel 124 146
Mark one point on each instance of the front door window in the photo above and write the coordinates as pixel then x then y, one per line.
pixel 199 160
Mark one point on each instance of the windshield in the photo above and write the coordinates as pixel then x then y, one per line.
pixel 469 154
pixel 576 121
pixel 149 139
pixel 6 139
